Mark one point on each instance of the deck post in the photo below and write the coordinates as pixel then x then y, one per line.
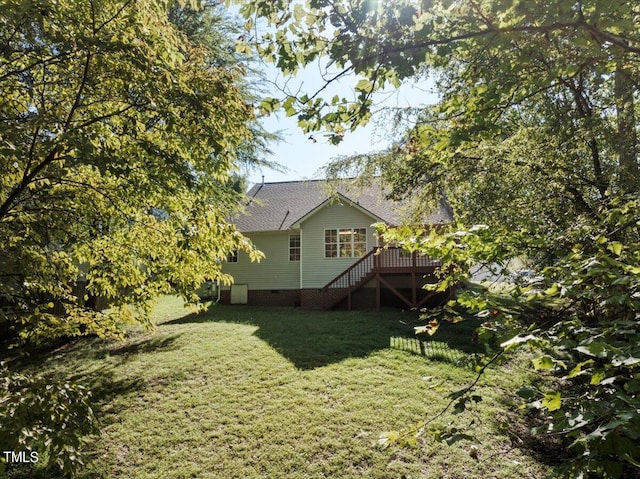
pixel 414 285
pixel 378 292
pixel 376 269
pixel 349 290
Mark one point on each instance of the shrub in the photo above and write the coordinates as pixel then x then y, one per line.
pixel 581 322
pixel 41 415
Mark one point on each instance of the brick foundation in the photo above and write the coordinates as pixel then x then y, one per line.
pixel 313 298
pixel 365 299
pixel 257 297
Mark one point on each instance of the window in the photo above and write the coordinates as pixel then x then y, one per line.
pixel 345 243
pixel 359 242
pixel 233 256
pixel 294 247
pixel 330 243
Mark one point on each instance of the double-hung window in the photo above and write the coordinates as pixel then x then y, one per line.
pixel 294 247
pixel 233 256
pixel 345 242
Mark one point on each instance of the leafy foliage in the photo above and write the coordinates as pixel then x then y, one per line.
pixel 51 418
pixel 593 347
pixel 119 133
pixel 122 127
pixel 581 322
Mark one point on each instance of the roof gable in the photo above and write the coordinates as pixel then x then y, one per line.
pixel 283 205
pixel 337 198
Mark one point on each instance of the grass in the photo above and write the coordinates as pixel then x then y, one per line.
pixel 240 392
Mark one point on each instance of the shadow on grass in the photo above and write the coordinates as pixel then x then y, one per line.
pixel 311 339
pixel 434 350
pixel 105 382
pixel 84 348
pixel 102 381
pixel 151 344
pixel 83 355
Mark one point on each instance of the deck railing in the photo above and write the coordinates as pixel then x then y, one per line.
pixel 392 259
pixel 378 260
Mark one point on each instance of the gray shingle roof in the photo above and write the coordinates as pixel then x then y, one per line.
pixel 278 206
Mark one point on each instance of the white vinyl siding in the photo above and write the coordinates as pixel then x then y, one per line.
pixel 317 269
pixel 274 271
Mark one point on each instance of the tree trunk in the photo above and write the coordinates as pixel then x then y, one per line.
pixel 627 139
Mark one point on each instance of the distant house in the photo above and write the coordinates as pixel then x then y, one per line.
pixel 321 250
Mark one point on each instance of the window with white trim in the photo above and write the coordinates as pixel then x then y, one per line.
pixel 294 247
pixel 233 256
pixel 345 242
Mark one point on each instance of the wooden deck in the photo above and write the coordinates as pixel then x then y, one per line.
pixel 379 264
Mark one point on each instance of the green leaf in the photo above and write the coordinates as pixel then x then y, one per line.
pixel 517 340
pixel 553 290
pixel 628 361
pixel 268 105
pixel 289 107
pixel 543 362
pixel 451 439
pixel 595 348
pixel 552 402
pixel 577 370
pixel 597 377
pixel 615 247
pixel 527 392
pixel 364 85
pixel 389 438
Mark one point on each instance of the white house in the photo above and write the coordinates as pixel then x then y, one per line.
pixel 321 250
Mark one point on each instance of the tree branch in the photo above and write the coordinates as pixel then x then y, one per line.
pixel 585 111
pixel 40 62
pixel 455 396
pixel 96 119
pixel 115 15
pixel 53 155
pixel 546 29
pixel 78 98
pixel 27 178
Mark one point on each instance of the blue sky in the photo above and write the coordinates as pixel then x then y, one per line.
pixel 302 156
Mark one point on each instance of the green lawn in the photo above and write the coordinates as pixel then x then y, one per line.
pixel 242 392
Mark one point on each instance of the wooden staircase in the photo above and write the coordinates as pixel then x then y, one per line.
pixel 378 262
pixel 350 280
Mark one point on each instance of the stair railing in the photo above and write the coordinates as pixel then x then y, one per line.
pixel 354 273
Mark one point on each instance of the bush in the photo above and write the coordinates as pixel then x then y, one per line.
pixel 48 418
pixel 581 322
pixel 593 345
